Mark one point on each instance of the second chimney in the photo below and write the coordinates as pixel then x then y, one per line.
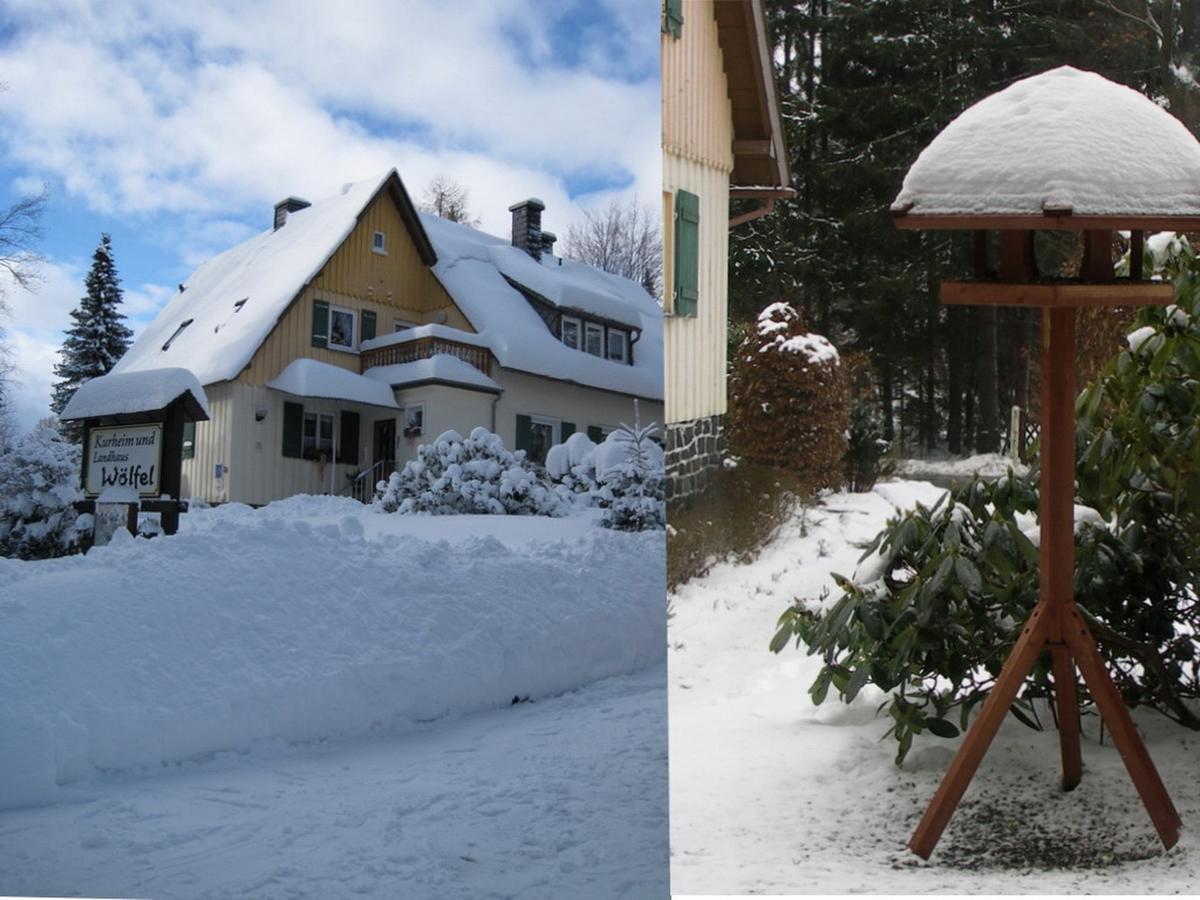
pixel 527 226
pixel 288 205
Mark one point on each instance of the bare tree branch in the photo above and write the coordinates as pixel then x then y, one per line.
pixel 624 238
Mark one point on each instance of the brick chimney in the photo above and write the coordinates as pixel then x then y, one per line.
pixel 288 205
pixel 527 226
pixel 548 239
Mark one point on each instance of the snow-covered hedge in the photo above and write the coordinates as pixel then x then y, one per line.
pixel 477 474
pixel 39 479
pixel 307 619
pixel 625 474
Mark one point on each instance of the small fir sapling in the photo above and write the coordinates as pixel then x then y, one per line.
pixel 636 486
pixel 39 480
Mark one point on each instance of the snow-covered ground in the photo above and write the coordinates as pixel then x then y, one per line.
pixel 316 699
pixel 770 794
pixel 985 465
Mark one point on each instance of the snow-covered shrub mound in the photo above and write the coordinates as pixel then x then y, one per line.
pixel 789 398
pixel 39 480
pixel 477 474
pixel 634 487
pixel 572 465
pixel 253 628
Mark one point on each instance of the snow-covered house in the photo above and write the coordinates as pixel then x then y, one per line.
pixel 722 138
pixel 356 328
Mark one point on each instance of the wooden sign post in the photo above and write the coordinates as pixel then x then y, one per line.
pixel 1055 625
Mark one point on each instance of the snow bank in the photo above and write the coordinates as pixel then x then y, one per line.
pixel 274 626
pixel 985 465
pixel 128 392
pixel 1064 139
pixel 310 378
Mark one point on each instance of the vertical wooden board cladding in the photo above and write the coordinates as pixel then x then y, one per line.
pixel 696 345
pixel 697 116
pixel 394 286
pixel 212 445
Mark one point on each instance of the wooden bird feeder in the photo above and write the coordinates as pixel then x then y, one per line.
pixel 1068 151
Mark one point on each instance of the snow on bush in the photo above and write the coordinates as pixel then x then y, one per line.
pixel 477 474
pixel 635 487
pixel 572 465
pixel 39 479
pixel 259 628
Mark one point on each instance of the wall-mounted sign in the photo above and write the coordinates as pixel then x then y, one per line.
pixel 127 456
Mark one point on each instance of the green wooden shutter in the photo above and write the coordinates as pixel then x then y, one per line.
pixel 348 447
pixel 687 253
pixel 189 440
pixel 595 434
pixel 320 335
pixel 673 17
pixel 293 429
pixel 524 433
pixel 565 430
pixel 368 325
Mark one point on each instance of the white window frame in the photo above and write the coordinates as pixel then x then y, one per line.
pixel 562 332
pixel 590 328
pixel 402 325
pixel 418 405
pixel 624 336
pixel 379 243
pixel 555 429
pixel 316 418
pixel 353 348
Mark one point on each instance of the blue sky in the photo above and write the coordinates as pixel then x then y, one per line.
pixel 176 127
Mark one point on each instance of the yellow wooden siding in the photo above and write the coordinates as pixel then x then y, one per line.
pixel 697 116
pixel 397 287
pixel 696 345
pixel 212 445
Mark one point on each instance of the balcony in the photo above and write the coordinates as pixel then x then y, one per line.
pixel 425 348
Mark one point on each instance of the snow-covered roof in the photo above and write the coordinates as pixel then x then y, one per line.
pixel 404 335
pixel 312 378
pixel 472 267
pixel 439 367
pixel 123 393
pixel 1062 140
pixel 232 301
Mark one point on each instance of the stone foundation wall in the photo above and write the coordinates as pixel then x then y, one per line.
pixel 694 449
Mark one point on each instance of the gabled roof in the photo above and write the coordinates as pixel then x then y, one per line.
pixel 231 303
pixel 760 162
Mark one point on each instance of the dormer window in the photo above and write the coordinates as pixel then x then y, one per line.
pixel 237 307
pixel 379 243
pixel 570 332
pixel 618 345
pixel 593 338
pixel 178 330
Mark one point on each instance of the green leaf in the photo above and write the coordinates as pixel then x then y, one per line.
pixel 968 575
pixel 941 728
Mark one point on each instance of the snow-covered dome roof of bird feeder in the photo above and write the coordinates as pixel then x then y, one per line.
pixel 1060 145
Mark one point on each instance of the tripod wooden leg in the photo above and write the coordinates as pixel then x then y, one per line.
pixel 979 736
pixel 1068 715
pixel 1120 724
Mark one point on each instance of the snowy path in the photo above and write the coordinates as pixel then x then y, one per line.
pixel 770 794
pixel 562 797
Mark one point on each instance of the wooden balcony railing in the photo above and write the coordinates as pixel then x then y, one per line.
pixel 424 348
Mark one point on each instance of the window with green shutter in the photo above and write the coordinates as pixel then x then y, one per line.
pixel 595 433
pixel 566 429
pixel 320 335
pixel 293 430
pixel 189 440
pixel 524 433
pixel 673 17
pixel 368 325
pixel 687 253
pixel 348 438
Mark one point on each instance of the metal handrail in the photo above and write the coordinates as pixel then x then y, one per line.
pixel 362 486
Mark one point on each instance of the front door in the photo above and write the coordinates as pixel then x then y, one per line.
pixel 385 446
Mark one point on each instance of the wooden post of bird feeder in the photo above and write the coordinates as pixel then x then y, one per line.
pixel 1055 624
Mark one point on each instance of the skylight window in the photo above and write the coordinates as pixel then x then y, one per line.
pixel 237 307
pixel 178 330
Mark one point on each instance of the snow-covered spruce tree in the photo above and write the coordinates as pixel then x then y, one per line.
pixel 98 338
pixel 477 474
pixel 39 479
pixel 635 487
pixel 789 399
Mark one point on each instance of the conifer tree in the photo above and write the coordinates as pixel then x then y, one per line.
pixel 99 337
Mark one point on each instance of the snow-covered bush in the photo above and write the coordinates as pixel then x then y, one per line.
pixel 789 399
pixel 476 474
pixel 572 466
pixel 635 485
pixel 39 479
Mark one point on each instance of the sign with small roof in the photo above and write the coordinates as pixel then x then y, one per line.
pixel 1065 150
pixel 133 444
